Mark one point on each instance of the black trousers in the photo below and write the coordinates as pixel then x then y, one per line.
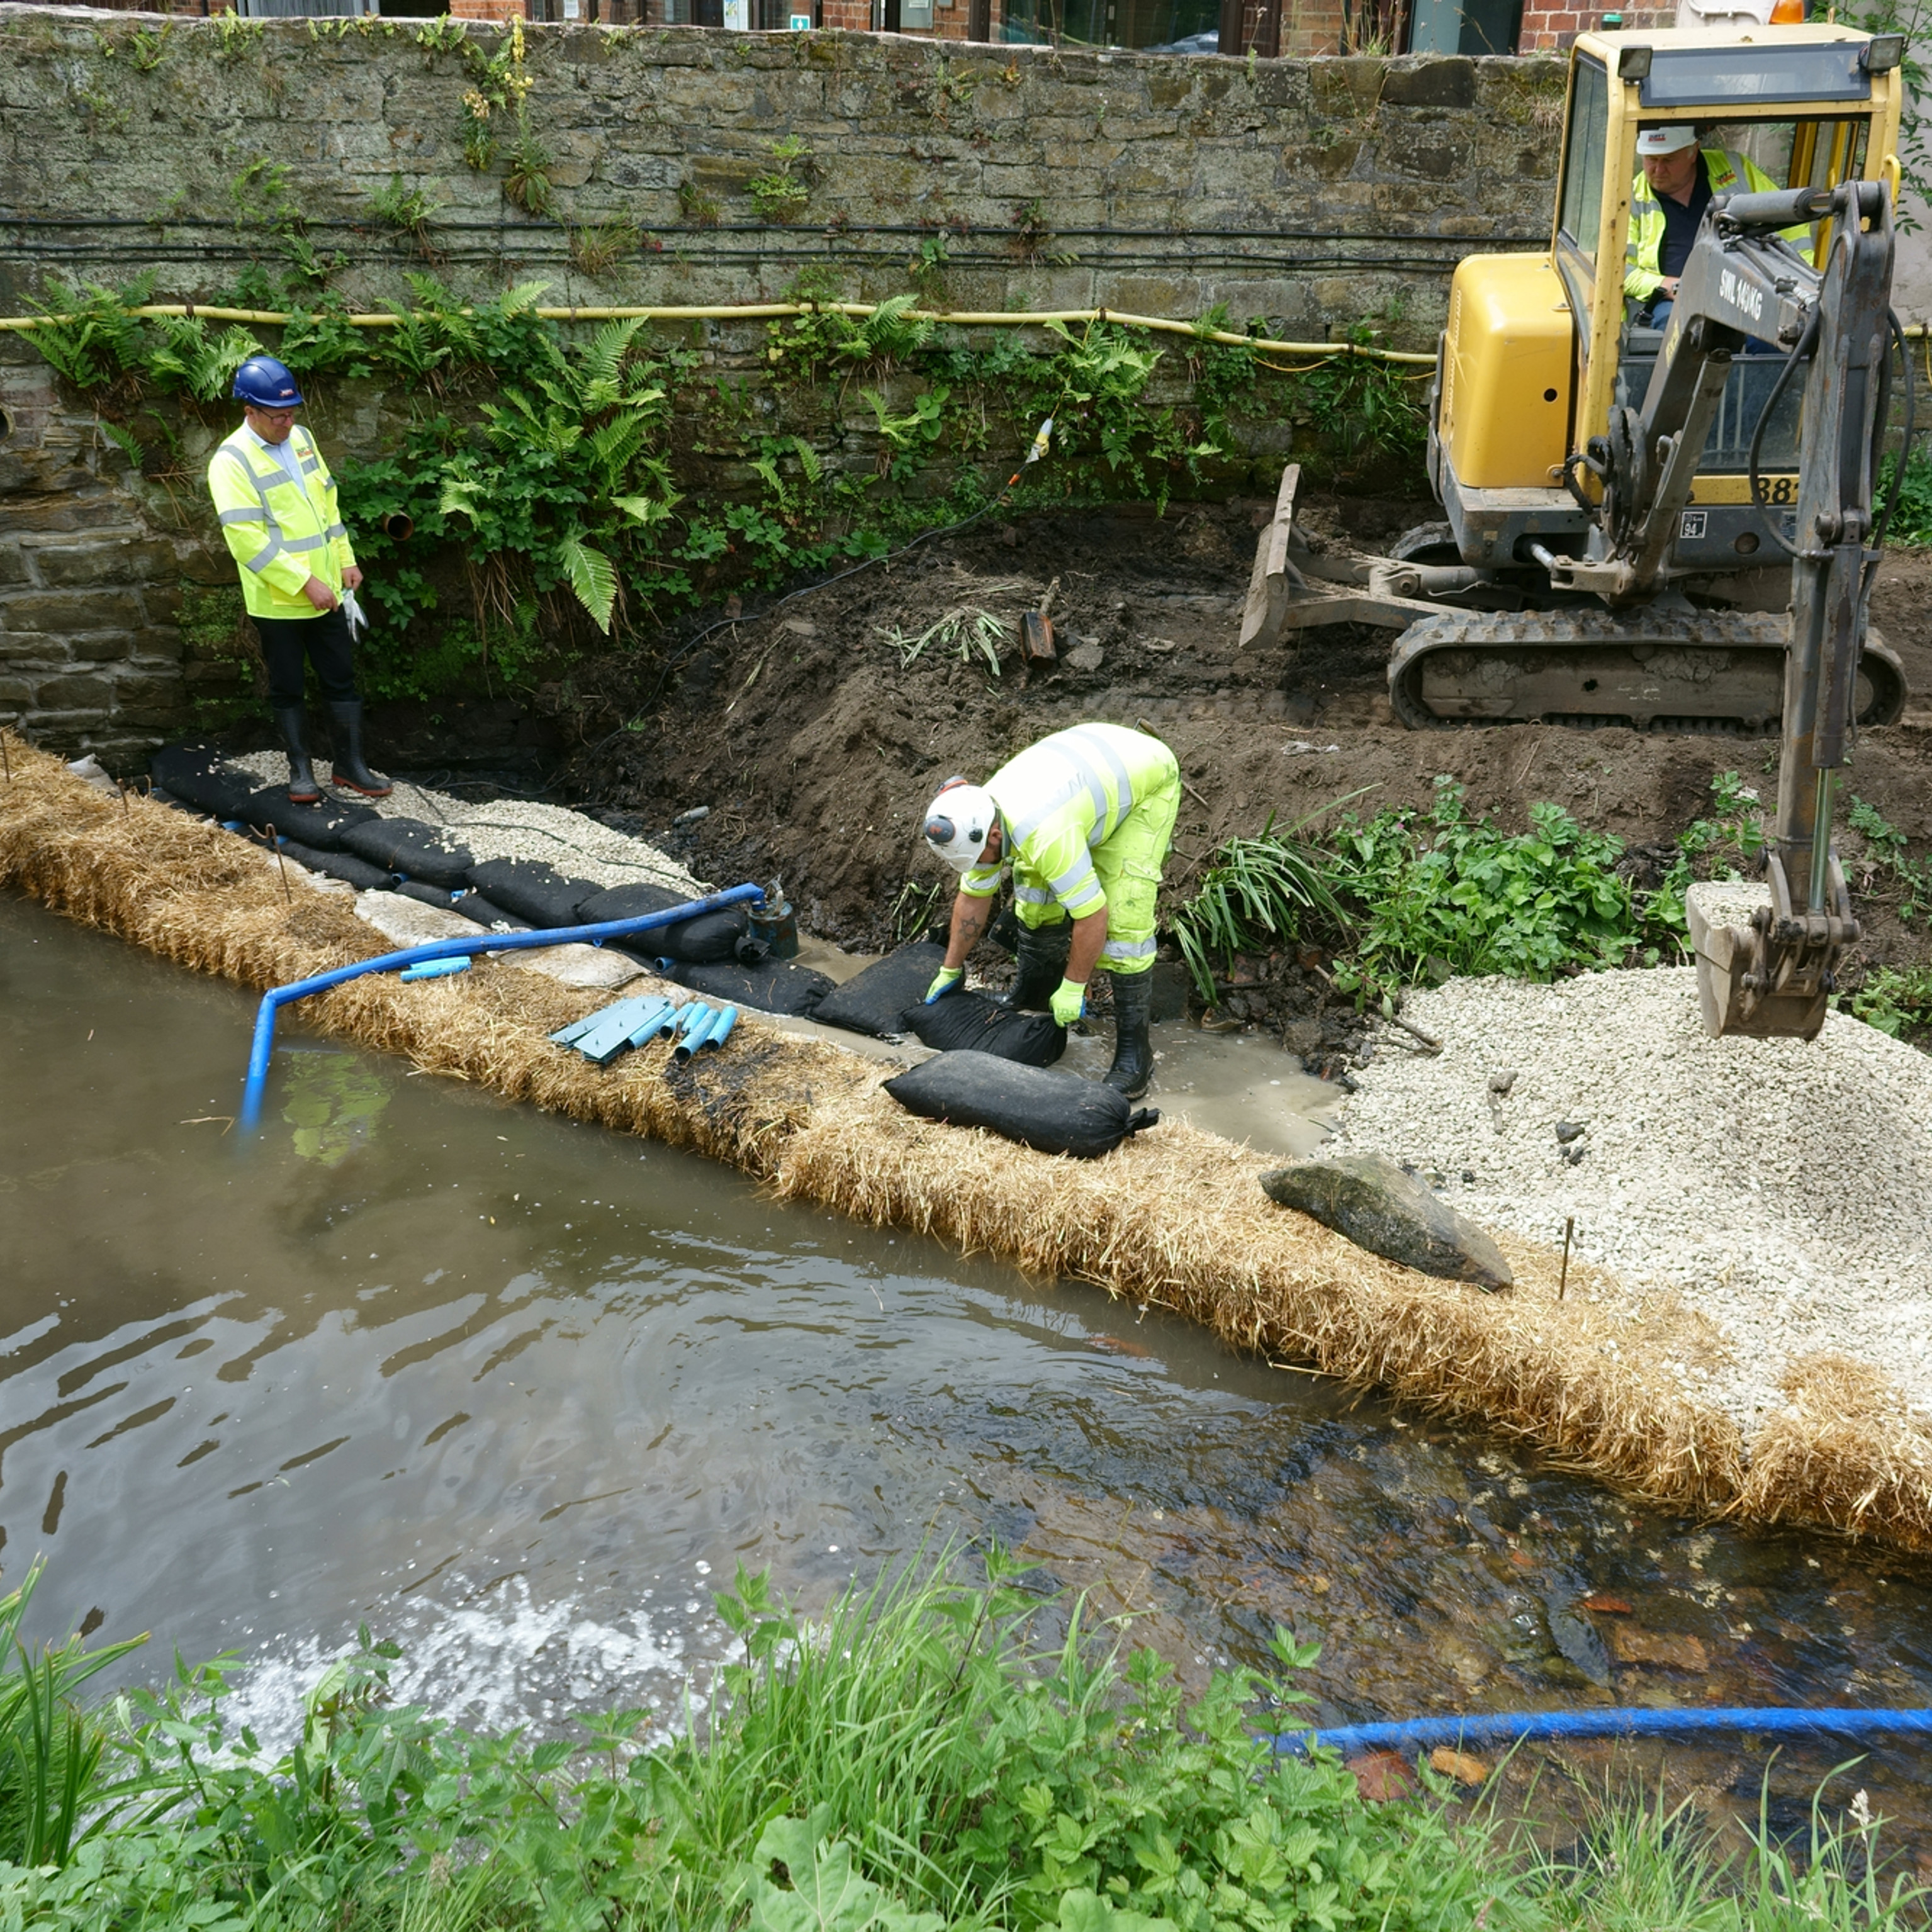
pixel 324 640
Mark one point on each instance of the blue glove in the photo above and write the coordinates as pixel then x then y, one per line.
pixel 1069 1002
pixel 948 980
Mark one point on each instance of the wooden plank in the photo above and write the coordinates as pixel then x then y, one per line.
pixel 1273 578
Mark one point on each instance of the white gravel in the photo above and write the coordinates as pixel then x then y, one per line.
pixel 1785 1188
pixel 514 828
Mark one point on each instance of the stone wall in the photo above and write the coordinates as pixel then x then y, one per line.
pixel 1308 193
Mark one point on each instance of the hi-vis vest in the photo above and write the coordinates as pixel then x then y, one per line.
pixel 281 535
pixel 1058 800
pixel 1643 276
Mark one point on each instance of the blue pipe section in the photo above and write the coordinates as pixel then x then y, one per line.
pixel 719 1030
pixel 278 997
pixel 1420 1733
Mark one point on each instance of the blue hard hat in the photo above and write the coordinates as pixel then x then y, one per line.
pixel 266 383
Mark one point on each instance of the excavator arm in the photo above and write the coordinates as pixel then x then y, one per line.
pixel 1773 978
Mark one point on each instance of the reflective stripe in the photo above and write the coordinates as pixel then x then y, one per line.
pixel 335 530
pixel 1127 949
pixel 310 464
pixel 1073 876
pixel 239 517
pixel 1081 903
pixel 1114 763
pixel 262 558
pixel 1032 895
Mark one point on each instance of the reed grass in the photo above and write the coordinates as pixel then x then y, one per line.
pixel 927 1752
pixel 1175 1218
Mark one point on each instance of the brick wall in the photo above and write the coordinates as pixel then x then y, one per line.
pixel 1550 29
pixel 1306 193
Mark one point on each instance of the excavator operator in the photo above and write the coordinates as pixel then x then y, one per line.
pixel 1667 203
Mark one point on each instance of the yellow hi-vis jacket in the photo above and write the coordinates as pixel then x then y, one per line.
pixel 1643 276
pixel 281 535
pixel 1059 800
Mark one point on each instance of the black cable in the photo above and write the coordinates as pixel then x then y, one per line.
pixel 1771 402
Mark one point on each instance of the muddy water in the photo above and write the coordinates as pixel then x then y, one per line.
pixel 520 1393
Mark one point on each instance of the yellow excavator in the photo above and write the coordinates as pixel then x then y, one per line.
pixel 1671 528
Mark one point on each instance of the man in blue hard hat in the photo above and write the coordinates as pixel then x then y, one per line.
pixel 275 500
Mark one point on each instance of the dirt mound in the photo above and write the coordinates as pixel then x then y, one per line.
pixel 817 743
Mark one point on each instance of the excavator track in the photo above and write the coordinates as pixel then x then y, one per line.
pixel 1655 670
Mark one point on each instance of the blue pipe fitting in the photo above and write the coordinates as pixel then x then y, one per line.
pixel 1422 1733
pixel 435 969
pixel 719 1031
pixel 262 1045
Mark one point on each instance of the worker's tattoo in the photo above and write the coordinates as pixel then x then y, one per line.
pixel 969 921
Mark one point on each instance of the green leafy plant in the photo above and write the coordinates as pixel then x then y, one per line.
pixel 410 209
pixel 1887 866
pixel 526 166
pixel 781 193
pixel 697 208
pixel 1897 1001
pixel 1437 890
pixel 1254 896
pixel 597 250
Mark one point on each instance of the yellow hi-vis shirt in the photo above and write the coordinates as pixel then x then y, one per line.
pixel 281 535
pixel 1058 800
pixel 1643 253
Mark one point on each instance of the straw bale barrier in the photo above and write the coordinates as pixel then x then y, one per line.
pixel 1173 1219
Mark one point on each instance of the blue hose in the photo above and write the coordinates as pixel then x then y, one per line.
pixel 1417 1733
pixel 278 997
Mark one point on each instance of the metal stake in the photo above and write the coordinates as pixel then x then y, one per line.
pixel 1563 1279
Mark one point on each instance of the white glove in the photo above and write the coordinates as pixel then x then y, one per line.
pixel 353 611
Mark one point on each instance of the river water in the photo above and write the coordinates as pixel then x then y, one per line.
pixel 520 1394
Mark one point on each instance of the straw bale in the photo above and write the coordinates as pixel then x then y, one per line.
pixel 1175 1218
pixel 1846 1452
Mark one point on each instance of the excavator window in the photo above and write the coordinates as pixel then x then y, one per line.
pixel 1583 155
pixel 1811 152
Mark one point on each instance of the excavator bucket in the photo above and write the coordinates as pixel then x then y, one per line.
pixel 1763 972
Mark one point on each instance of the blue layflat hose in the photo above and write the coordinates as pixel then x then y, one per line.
pixel 278 997
pixel 1417 1733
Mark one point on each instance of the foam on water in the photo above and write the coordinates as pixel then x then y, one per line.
pixel 499 1658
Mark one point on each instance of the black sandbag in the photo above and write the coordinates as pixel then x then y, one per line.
pixel 321 828
pixel 772 986
pixel 343 866
pixel 197 775
pixel 425 895
pixel 971 1023
pixel 532 890
pixel 631 902
pixel 705 940
pixel 484 912
pixel 874 1001
pixel 416 850
pixel 1056 1113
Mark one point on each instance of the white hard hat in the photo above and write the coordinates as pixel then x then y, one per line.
pixel 959 821
pixel 1671 140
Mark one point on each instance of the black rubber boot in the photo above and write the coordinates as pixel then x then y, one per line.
pixel 1042 953
pixel 351 773
pixel 303 789
pixel 1132 1069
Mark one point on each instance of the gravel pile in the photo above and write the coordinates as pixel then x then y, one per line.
pixel 1785 1188
pixel 514 828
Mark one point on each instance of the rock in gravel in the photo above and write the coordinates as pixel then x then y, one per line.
pixel 1369 1199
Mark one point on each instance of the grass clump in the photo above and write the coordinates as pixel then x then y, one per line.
pixel 928 1754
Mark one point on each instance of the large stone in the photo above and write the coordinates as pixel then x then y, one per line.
pixel 1370 1200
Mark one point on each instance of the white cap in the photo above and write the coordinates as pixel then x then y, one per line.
pixel 957 822
pixel 1671 140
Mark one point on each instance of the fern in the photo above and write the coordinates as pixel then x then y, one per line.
pixel 125 440
pixel 589 574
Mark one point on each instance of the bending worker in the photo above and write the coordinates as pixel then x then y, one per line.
pixel 1667 204
pixel 1084 819
pixel 276 501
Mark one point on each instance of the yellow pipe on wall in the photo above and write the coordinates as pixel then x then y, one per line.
pixel 750 311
